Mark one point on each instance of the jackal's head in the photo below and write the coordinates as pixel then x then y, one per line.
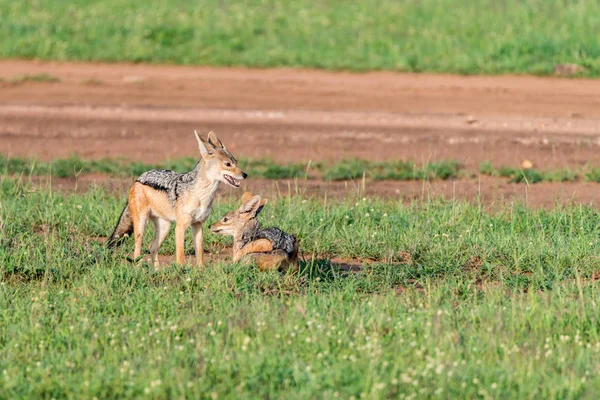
pixel 220 164
pixel 235 222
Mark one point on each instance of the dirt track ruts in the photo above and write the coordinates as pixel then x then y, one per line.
pixel 148 113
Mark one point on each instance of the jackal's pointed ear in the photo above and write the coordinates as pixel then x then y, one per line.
pixel 214 140
pixel 205 148
pixel 261 205
pixel 246 196
pixel 251 206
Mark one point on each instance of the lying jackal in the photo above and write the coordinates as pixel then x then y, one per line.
pixel 166 196
pixel 270 248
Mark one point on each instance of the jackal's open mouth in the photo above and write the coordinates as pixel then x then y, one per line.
pixel 231 180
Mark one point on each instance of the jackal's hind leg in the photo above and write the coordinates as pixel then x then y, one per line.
pixel 257 246
pixel 161 230
pixel 268 261
pixel 140 221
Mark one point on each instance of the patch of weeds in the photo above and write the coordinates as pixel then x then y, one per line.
pixel 593 175
pixel 395 170
pixel 39 78
pixel 527 175
pixel 486 168
pixel 347 169
pixel 562 175
pixel 71 166
pixel 398 170
pixel 268 169
pixel 506 172
pixel 442 170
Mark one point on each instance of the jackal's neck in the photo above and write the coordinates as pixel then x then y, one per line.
pixel 199 184
pixel 200 179
pixel 197 173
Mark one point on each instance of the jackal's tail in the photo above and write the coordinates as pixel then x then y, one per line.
pixel 123 229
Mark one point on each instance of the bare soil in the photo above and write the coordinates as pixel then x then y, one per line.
pixel 147 113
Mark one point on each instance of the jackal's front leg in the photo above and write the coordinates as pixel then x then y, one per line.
pixel 179 242
pixel 198 242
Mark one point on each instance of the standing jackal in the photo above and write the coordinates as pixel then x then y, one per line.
pixel 270 248
pixel 166 196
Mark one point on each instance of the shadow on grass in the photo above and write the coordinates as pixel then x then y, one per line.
pixel 327 269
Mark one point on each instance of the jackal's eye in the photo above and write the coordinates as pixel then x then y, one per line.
pixel 228 164
pixel 224 219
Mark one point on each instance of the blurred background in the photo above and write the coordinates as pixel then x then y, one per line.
pixel 454 94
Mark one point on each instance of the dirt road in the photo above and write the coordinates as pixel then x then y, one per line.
pixel 148 113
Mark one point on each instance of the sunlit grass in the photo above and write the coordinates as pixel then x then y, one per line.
pixel 458 302
pixel 481 36
pixel 347 169
pixel 261 168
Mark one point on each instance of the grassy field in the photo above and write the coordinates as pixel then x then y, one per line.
pixel 336 171
pixel 459 302
pixel 460 36
pixel 263 168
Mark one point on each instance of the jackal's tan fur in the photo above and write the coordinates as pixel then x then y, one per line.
pixel 269 248
pixel 186 199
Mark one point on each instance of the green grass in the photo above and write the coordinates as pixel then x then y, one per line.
pixel 460 303
pixel 268 169
pixel 396 170
pixel 460 36
pixel 520 175
pixel 265 168
pixel 73 166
